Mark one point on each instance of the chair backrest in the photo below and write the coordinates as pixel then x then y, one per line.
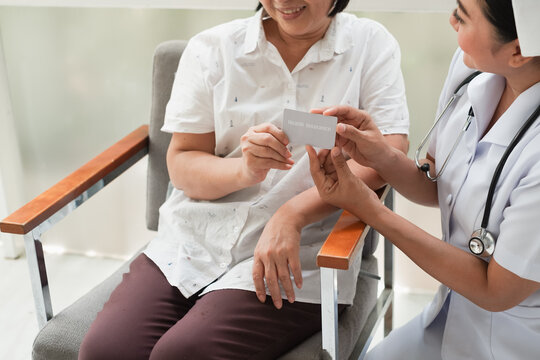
pixel 166 58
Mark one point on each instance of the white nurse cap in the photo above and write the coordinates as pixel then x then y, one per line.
pixel 526 14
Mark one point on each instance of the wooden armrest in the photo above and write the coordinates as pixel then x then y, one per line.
pixel 55 198
pixel 345 239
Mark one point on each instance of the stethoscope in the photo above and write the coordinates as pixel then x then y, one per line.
pixel 482 242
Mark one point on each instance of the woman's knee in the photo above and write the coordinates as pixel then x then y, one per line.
pixel 104 341
pixel 96 346
pixel 182 348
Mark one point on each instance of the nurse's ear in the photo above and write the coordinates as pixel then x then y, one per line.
pixel 517 59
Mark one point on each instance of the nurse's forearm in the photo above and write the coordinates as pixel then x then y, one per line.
pixel 489 286
pixel 308 207
pixel 401 172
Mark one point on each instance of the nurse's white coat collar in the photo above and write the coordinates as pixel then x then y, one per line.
pixel 336 40
pixel 484 93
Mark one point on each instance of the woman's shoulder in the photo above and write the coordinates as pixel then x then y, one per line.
pixel 362 25
pixel 229 31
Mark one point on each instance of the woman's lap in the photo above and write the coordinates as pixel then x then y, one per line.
pixel 145 318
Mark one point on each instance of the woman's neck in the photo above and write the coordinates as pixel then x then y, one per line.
pixel 517 82
pixel 291 48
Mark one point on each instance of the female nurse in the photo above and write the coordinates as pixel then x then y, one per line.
pixel 487 307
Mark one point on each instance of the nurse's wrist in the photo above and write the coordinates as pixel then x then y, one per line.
pixel 386 162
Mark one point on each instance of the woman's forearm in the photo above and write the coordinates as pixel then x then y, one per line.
pixel 204 176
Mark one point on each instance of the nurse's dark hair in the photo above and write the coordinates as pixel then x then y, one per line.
pixel 500 14
pixel 340 5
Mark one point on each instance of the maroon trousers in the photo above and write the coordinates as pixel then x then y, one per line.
pixel 147 318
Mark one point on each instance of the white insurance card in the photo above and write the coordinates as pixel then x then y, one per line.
pixel 304 128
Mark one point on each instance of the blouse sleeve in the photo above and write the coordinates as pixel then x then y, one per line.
pixel 190 108
pixel 382 86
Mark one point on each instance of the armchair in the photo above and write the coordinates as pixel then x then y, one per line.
pixel 60 335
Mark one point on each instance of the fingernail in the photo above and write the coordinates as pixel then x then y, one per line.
pixel 340 128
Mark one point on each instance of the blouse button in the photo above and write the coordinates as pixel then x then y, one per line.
pixel 449 199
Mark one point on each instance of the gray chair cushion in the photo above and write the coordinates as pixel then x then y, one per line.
pixel 61 337
pixel 63 334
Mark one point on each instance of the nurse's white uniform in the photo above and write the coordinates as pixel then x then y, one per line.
pixel 452 327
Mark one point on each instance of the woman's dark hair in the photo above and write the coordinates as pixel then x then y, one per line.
pixel 500 14
pixel 340 5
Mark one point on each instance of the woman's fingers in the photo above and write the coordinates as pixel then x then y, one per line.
pixel 270 274
pixel 258 280
pixel 284 278
pixel 276 271
pixel 269 128
pixel 265 153
pixel 264 147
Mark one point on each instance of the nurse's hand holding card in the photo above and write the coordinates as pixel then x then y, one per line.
pixel 304 128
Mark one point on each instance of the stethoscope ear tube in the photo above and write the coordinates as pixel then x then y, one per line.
pixel 457 93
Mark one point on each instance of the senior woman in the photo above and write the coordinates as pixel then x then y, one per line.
pixel 488 306
pixel 244 217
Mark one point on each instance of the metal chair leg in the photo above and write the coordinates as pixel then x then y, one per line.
pixel 329 312
pixel 38 277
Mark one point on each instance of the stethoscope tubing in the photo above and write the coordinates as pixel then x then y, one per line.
pixel 498 170
pixel 482 242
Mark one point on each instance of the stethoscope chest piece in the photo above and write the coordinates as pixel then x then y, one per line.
pixel 482 243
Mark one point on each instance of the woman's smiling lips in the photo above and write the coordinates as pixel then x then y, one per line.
pixel 291 13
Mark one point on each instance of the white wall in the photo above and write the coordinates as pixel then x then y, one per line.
pixel 354 5
pixel 10 164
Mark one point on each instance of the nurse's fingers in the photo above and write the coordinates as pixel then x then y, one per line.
pixel 350 138
pixel 342 168
pixel 350 115
pixel 317 172
pixel 349 132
